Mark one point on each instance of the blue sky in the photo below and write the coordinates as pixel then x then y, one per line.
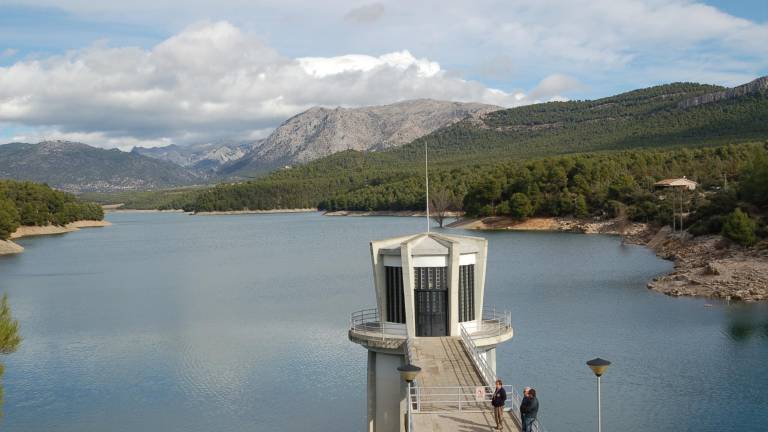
pixel 134 73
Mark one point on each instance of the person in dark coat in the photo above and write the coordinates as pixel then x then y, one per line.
pixel 529 409
pixel 498 400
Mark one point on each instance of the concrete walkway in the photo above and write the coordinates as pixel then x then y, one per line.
pixel 461 422
pixel 445 362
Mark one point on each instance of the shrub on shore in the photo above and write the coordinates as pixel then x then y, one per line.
pixel 738 227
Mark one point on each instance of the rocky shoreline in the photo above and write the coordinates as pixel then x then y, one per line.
pixel 706 266
pixel 711 266
pixel 8 247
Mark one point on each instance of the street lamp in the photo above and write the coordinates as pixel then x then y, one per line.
pixel 598 366
pixel 408 373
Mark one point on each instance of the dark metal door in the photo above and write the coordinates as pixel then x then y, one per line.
pixel 431 289
pixel 431 313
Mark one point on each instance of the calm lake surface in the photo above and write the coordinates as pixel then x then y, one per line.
pixel 168 322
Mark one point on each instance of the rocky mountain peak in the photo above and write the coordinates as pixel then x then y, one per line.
pixel 321 131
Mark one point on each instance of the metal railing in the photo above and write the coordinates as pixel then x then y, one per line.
pixel 410 410
pixel 486 373
pixel 430 400
pixel 367 321
pixel 450 399
pixel 489 376
pixel 492 323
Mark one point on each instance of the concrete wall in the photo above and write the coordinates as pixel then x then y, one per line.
pixel 389 393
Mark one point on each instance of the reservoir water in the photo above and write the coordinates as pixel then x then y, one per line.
pixel 168 322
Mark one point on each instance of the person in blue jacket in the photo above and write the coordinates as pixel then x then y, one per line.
pixel 498 400
pixel 529 408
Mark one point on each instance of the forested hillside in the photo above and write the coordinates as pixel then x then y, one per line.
pixel 26 203
pixel 651 117
pixel 603 136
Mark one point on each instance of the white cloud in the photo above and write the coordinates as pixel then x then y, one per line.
pixel 8 52
pixel 321 67
pixel 210 81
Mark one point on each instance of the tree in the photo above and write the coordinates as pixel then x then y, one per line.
pixel 441 201
pixel 9 218
pixel 580 208
pixel 520 206
pixel 10 339
pixel 490 191
pixel 739 227
pixel 754 186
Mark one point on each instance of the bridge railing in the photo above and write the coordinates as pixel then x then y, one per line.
pixel 489 376
pixel 368 322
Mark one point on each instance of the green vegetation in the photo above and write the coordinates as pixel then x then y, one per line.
pixel 9 218
pixel 740 213
pixel 567 158
pixel 739 227
pixel 26 203
pixel 643 118
pixel 10 339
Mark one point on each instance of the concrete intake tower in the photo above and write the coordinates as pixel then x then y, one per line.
pixel 430 312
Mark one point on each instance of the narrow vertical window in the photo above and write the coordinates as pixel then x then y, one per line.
pixel 466 293
pixel 394 294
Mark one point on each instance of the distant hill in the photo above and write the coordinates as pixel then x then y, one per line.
pixel 320 132
pixel 207 157
pixel 467 152
pixel 661 116
pixel 77 167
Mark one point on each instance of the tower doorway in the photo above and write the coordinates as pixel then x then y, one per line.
pixel 431 298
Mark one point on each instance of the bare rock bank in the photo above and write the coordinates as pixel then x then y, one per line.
pixel 585 226
pixel 711 266
pixel 8 247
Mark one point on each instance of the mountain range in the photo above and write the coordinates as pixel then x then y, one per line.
pixel 679 114
pixel 207 157
pixel 76 167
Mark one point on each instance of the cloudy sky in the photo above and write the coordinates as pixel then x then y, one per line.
pixel 150 73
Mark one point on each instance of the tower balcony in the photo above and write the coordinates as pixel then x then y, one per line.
pixel 369 330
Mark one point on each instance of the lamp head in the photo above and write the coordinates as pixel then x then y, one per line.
pixel 409 372
pixel 598 366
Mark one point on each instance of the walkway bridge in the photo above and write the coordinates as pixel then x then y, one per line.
pixel 454 389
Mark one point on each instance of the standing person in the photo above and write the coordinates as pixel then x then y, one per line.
pixel 524 404
pixel 498 400
pixel 529 409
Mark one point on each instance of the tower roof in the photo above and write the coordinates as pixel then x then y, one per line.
pixel 431 244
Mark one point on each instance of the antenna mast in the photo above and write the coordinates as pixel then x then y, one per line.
pixel 426 179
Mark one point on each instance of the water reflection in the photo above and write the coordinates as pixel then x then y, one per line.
pixel 747 324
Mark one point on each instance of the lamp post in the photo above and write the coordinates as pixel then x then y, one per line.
pixel 599 367
pixel 408 373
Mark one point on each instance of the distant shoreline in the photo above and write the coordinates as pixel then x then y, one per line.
pixel 119 210
pixel 8 247
pixel 396 213
pixel 245 212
